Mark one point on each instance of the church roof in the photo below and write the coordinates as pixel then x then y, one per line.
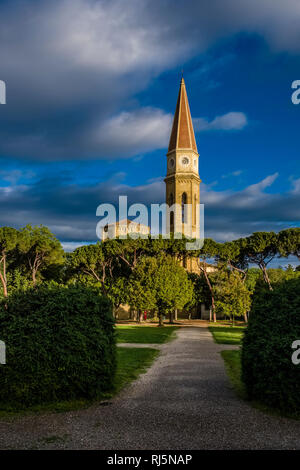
pixel 182 135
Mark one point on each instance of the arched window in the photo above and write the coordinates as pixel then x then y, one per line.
pixel 183 202
pixel 171 202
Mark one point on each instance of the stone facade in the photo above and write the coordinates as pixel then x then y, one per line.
pixel 123 228
pixel 182 179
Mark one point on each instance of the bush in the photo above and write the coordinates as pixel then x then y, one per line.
pixel 60 345
pixel 267 368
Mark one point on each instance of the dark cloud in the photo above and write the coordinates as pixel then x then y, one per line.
pixel 70 210
pixel 72 67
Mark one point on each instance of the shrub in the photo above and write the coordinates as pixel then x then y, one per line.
pixel 267 368
pixel 60 345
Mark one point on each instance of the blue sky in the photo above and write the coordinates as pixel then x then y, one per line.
pixel 91 90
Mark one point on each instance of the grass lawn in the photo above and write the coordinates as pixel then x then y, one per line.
pixel 232 361
pixel 131 363
pixel 227 334
pixel 144 334
pixel 233 367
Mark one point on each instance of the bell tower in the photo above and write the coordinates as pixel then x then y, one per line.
pixel 182 180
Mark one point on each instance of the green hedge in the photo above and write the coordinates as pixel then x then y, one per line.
pixel 60 345
pixel 267 369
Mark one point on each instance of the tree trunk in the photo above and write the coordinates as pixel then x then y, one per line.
pixel 211 293
pixel 175 314
pixel 245 317
pixel 171 317
pixel 3 275
pixel 213 308
pixel 160 320
pixel 266 277
pixel 3 285
pixel 34 277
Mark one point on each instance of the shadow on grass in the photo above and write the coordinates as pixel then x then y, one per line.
pixel 232 360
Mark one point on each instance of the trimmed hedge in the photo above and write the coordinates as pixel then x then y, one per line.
pixel 267 369
pixel 60 345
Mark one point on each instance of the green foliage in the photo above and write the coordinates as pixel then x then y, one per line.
pixel 141 292
pixel 60 345
pixel 201 293
pixel 289 242
pixel 253 275
pixel 39 248
pixel 8 241
pixel 274 323
pixel 159 283
pixel 172 287
pixel 260 248
pixel 232 298
pixel 117 290
pixel 89 260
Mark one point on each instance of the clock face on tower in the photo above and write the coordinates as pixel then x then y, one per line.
pixel 185 160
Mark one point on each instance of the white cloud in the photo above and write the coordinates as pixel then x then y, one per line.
pixel 296 186
pixel 69 209
pixel 232 173
pixel 132 132
pixel 227 122
pixel 71 246
pixel 256 189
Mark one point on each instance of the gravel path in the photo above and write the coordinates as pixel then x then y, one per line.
pixel 184 401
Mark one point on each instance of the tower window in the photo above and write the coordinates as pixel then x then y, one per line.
pixel 171 202
pixel 183 202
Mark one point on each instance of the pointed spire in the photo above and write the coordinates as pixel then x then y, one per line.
pixel 182 135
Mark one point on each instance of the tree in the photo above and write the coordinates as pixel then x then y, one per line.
pixel 128 250
pixel 40 248
pixel 209 250
pixel 201 292
pixel 260 248
pixel 172 287
pixel 8 242
pixel 253 276
pixel 289 242
pixel 117 291
pixel 89 260
pixel 229 253
pixel 233 299
pixel 141 290
pixel 159 283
